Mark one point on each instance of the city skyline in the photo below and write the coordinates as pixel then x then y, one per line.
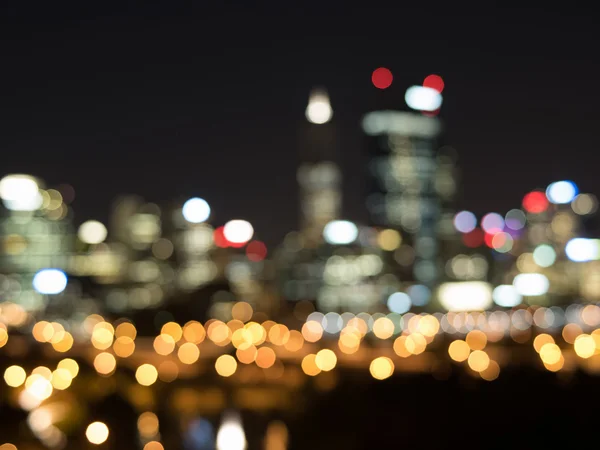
pixel 65 133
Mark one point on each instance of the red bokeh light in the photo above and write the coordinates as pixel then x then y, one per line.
pixel 535 202
pixel 431 113
pixel 434 82
pixel 489 239
pixel 256 251
pixel 474 238
pixel 219 238
pixel 382 78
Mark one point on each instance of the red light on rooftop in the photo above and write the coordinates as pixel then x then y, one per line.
pixel 434 82
pixel 382 78
pixel 535 202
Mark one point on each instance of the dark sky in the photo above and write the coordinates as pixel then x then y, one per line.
pixel 173 101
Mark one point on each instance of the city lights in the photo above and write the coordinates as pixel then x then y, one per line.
pixel 238 231
pixel 319 109
pixel 423 98
pixel 92 232
pixel 465 296
pixel 340 232
pixel 231 434
pixel 20 193
pixel 382 78
pixel 583 249
pixel 531 284
pixel 50 281
pixel 196 210
pixel 561 192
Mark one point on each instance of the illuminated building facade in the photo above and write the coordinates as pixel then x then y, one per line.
pixel 411 189
pixel 37 233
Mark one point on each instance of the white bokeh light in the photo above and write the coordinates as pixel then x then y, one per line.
pixel 92 232
pixel 20 193
pixel 531 284
pixel 561 192
pixel 340 232
pixel 50 281
pixel 582 249
pixel 231 434
pixel 423 98
pixel 318 110
pixel 506 295
pixel 196 210
pixel 238 231
pixel 465 295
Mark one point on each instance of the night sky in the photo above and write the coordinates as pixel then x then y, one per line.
pixel 172 101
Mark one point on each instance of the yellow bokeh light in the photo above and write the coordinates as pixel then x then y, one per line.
pixel 105 363
pixel 168 371
pixel 585 346
pixel 309 365
pixel 325 360
pixel 219 333
pixel 164 344
pixel 459 350
pixel 65 344
pixel 570 332
pixel 102 337
pixel 312 331
pixel 242 338
pixel 556 366
pixel 15 376
pixel 38 387
pixel 400 347
pixel 242 311
pixel 381 368
pixel 415 343
pixel 194 332
pixel 491 372
pixel 146 374
pixel 383 328
pixel 188 353
pixel 97 433
pixel 349 342
pixel 279 334
pixel 124 346
pixel 8 446
pixel 259 333
pixel 550 353
pixel 61 379
pixel 3 337
pixel 69 364
pixel 43 371
pixel 172 329
pixel 295 341
pixel 58 333
pixel 389 240
pixel 542 339
pixel 39 333
pixel 265 357
pixel 154 445
pixel 126 329
pixel 428 325
pixel 225 365
pixel 246 355
pixel 148 425
pixel 479 360
pixel 476 340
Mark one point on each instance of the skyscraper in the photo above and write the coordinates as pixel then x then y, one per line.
pixel 407 189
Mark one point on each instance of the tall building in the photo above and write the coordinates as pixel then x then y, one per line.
pixel 319 177
pixel 410 188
